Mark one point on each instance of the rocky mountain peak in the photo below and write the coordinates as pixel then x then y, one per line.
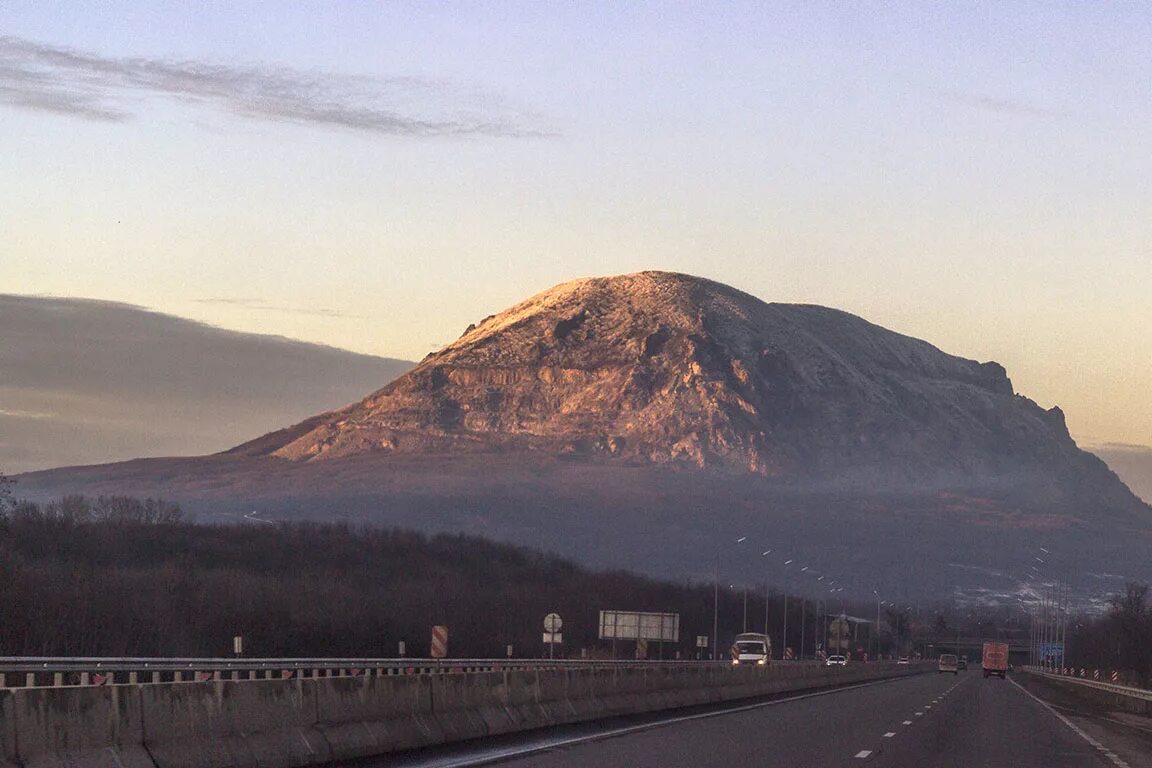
pixel 665 368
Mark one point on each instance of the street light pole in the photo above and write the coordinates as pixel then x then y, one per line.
pixel 821 626
pixel 716 610
pixel 784 637
pixel 765 606
pixel 745 609
pixel 803 618
pixel 876 633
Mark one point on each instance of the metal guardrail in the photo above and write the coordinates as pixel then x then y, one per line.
pixel 37 671
pixel 1122 690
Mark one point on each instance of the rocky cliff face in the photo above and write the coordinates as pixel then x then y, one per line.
pixel 666 368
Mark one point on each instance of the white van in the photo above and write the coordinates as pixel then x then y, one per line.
pixel 752 648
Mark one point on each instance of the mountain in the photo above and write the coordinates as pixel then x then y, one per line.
pixel 648 420
pixel 669 369
pixel 85 381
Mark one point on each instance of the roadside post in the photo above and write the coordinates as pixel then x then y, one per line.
pixel 552 636
pixel 439 641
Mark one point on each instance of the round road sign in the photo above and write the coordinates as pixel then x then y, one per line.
pixel 552 622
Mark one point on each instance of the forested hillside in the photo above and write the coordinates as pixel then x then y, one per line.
pixel 120 576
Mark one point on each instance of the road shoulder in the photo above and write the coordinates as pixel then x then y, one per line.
pixel 1127 736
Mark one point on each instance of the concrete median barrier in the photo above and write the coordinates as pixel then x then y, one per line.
pixel 274 723
pixel 90 727
pixel 220 724
pixel 365 716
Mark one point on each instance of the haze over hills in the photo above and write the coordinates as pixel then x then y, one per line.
pixel 645 420
pixel 1133 463
pixel 85 381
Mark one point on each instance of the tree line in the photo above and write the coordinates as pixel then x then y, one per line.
pixel 1120 639
pixel 119 576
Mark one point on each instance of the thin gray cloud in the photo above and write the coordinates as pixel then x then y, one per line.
pixel 86 85
pixel 1094 445
pixel 1003 105
pixel 84 381
pixel 19 414
pixel 262 306
pixel 1126 447
pixel 229 301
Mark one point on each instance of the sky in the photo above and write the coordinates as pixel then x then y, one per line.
pixel 376 176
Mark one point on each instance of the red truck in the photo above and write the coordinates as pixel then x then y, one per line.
pixel 995 659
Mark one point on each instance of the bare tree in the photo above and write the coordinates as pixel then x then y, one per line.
pixel 1131 619
pixel 6 484
pixel 898 621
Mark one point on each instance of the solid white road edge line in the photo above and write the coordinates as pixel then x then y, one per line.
pixel 1115 758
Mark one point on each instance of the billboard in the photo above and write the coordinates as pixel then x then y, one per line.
pixel 635 625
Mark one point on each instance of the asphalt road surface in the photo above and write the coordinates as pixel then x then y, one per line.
pixel 927 721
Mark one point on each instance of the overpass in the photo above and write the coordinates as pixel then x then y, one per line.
pixel 972 645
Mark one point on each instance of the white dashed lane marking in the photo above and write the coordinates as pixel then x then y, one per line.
pixel 866 753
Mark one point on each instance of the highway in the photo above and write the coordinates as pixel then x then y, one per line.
pixel 923 722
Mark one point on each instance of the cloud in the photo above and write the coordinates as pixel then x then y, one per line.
pixel 18 414
pixel 40 77
pixel 1003 105
pixel 1125 447
pixel 262 306
pixel 85 381
pixel 1089 444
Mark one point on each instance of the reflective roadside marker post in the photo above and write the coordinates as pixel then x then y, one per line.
pixel 508 650
pixel 439 641
pixel 238 645
pixel 402 648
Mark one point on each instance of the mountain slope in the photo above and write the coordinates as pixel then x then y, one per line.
pixel 648 420
pixel 83 381
pixel 670 369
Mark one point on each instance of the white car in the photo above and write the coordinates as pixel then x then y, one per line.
pixel 836 661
